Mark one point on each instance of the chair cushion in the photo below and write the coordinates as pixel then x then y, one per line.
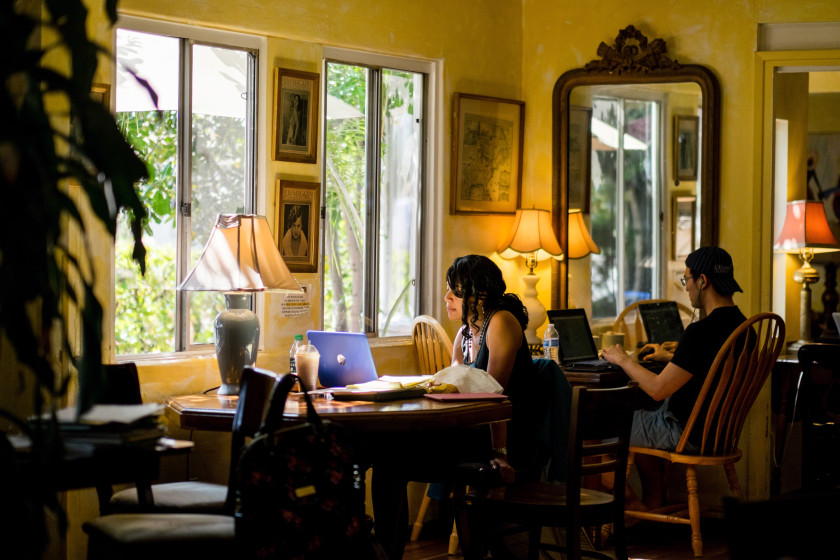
pixel 161 536
pixel 175 497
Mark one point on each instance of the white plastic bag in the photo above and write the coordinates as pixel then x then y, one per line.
pixel 468 379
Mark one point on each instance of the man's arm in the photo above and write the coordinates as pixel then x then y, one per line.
pixel 658 386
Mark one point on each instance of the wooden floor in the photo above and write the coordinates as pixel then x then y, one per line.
pixel 645 541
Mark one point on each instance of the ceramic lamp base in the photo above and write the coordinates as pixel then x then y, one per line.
pixel 237 339
pixel 536 310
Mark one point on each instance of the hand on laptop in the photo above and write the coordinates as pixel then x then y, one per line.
pixel 658 352
pixel 615 355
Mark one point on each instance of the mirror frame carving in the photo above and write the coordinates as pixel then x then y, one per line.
pixel 632 60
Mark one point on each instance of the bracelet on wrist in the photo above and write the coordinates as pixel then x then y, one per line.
pixel 500 451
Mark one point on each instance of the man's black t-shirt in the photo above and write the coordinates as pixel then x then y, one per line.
pixel 695 353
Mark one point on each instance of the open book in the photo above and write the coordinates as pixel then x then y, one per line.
pixel 391 382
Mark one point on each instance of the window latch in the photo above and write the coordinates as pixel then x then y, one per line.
pixel 186 209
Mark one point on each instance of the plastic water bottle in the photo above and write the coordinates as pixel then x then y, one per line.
pixel 551 343
pixel 298 342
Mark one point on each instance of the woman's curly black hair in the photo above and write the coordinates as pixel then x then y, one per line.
pixel 475 278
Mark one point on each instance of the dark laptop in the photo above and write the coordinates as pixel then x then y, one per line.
pixel 662 321
pixel 577 349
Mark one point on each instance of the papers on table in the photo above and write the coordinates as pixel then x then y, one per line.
pixel 391 382
pixel 112 424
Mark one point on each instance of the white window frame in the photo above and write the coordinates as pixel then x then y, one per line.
pixel 429 269
pixel 257 198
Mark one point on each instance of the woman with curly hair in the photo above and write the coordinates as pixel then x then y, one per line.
pixel 492 338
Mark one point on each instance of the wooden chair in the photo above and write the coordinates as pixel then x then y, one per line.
pixel 434 352
pixel 731 386
pixel 206 497
pixel 174 536
pixel 599 438
pixel 635 331
pixel 433 346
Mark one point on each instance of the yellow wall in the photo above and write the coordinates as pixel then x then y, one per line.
pixel 512 50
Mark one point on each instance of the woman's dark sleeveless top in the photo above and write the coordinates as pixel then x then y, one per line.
pixel 520 390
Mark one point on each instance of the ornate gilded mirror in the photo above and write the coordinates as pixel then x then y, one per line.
pixel 636 140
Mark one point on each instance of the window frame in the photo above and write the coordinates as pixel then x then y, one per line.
pixel 187 36
pixel 430 223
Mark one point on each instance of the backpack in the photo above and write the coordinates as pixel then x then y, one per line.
pixel 300 494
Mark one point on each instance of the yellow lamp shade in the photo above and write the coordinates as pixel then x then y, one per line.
pixel 580 242
pixel 532 232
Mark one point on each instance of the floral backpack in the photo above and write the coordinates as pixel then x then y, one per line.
pixel 300 493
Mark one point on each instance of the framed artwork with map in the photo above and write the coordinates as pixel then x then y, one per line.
pixel 487 134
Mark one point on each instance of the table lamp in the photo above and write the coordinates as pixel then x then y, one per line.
pixel 532 237
pixel 580 242
pixel 240 258
pixel 805 232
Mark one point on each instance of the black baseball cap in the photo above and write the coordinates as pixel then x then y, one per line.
pixel 715 263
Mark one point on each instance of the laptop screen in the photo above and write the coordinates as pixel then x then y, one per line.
pixel 345 358
pixel 575 335
pixel 662 321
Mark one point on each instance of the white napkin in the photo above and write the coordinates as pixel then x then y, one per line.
pixel 468 379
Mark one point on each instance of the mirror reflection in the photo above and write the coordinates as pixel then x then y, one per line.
pixel 636 149
pixel 644 195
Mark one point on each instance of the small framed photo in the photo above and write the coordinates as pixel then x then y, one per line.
pixel 580 158
pixel 487 134
pixel 295 135
pixel 296 212
pixel 682 225
pixel 686 147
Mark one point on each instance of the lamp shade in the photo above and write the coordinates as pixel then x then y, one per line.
pixel 580 242
pixel 532 232
pixel 805 227
pixel 240 256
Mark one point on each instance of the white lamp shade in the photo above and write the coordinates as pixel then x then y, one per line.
pixel 532 232
pixel 240 256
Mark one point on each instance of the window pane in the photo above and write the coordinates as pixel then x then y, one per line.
pixel 624 203
pixel 401 143
pixel 639 260
pixel 345 191
pixel 219 161
pixel 604 212
pixel 145 305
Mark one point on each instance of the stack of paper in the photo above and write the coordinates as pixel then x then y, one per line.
pixel 391 382
pixel 112 424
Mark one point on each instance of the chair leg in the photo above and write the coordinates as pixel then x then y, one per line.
pixel 732 477
pixel 534 538
pixel 421 516
pixel 694 510
pixel 453 539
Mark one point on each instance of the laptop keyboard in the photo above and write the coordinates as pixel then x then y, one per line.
pixel 593 365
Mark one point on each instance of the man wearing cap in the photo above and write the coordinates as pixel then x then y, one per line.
pixel 710 282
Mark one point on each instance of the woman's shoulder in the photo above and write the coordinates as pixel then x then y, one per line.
pixel 504 319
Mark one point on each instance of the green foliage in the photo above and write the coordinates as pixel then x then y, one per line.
pixel 39 274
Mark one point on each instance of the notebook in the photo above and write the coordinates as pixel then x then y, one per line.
pixel 577 349
pixel 662 321
pixel 345 358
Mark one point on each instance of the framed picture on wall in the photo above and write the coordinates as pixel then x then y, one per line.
pixel 686 147
pixel 487 134
pixel 295 128
pixel 297 223
pixel 580 158
pixel 682 226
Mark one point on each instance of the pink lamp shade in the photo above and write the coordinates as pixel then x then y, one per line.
pixel 532 232
pixel 240 256
pixel 580 242
pixel 805 227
